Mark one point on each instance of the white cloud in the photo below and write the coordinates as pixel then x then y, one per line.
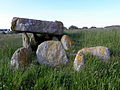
pixel 5 21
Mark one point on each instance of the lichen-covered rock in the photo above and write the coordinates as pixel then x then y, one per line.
pixel 36 26
pixel 51 53
pixel 66 41
pixel 26 41
pixel 79 61
pixel 20 58
pixel 98 51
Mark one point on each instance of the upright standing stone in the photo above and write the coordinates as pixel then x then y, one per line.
pixel 20 58
pixel 26 41
pixel 66 42
pixel 37 26
pixel 51 53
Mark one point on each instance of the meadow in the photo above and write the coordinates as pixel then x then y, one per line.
pixel 95 74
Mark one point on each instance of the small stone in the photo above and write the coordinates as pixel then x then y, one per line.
pixel 98 51
pixel 20 58
pixel 66 42
pixel 51 53
pixel 79 61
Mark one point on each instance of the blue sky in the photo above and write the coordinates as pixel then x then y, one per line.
pixel 81 13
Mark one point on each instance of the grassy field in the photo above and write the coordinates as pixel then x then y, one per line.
pixel 95 75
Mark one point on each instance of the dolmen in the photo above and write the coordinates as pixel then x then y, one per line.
pixel 46 40
pixel 50 45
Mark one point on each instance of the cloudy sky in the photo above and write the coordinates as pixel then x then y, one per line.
pixel 80 13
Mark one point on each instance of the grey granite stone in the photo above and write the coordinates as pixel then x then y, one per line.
pixel 36 26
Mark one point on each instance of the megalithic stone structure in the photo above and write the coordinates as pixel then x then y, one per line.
pixel 37 26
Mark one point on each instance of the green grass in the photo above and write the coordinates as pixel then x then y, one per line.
pixel 95 75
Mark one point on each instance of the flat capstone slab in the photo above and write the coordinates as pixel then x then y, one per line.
pixel 37 26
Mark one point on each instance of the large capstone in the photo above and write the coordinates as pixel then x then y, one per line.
pixel 51 53
pixel 36 26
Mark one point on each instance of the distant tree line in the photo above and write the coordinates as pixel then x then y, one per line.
pixel 72 27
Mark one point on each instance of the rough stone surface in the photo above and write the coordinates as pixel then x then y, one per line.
pixel 51 53
pixel 34 43
pixel 99 51
pixel 26 41
pixel 66 41
pixel 37 26
pixel 79 61
pixel 20 58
